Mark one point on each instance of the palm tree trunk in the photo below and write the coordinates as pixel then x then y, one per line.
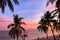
pixel 47 35
pixel 53 33
pixel 17 38
pixel 23 38
pixel 58 33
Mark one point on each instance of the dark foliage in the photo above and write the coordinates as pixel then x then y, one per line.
pixel 4 3
pixel 16 28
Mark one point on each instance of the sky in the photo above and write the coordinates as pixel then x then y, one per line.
pixel 30 10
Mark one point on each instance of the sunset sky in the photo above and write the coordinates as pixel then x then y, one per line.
pixel 30 10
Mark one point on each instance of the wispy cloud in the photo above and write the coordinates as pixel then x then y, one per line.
pixel 5 21
pixel 37 16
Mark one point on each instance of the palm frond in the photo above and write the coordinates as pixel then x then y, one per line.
pixel 47 4
pixel 20 31
pixel 45 28
pixel 22 28
pixel 54 10
pixel 22 23
pixel 58 4
pixel 10 25
pixel 50 1
pixel 3 8
pixel 55 13
pixel 12 33
pixel 10 6
pixel 21 18
pixel 16 1
pixel 53 16
pixel 39 28
pixel 3 4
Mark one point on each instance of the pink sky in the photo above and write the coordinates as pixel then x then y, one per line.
pixel 4 21
pixel 30 24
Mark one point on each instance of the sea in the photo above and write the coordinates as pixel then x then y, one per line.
pixel 32 34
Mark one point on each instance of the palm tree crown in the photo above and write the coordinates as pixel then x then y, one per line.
pixel 16 28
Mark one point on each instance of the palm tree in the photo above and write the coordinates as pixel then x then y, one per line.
pixel 43 27
pixel 4 3
pixel 57 11
pixel 16 29
pixel 49 18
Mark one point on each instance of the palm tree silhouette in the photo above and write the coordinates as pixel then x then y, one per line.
pixel 16 29
pixel 48 17
pixel 4 3
pixel 57 12
pixel 43 27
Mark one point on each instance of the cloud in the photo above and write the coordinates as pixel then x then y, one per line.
pixel 38 15
pixel 5 18
pixel 30 24
pixel 51 8
pixel 28 8
pixel 36 18
pixel 5 21
pixel 34 9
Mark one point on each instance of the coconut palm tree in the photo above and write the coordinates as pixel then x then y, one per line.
pixel 4 3
pixel 57 11
pixel 49 18
pixel 15 28
pixel 43 27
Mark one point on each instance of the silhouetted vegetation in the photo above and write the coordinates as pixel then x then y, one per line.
pixel 47 19
pixel 57 23
pixel 4 3
pixel 15 28
pixel 45 23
